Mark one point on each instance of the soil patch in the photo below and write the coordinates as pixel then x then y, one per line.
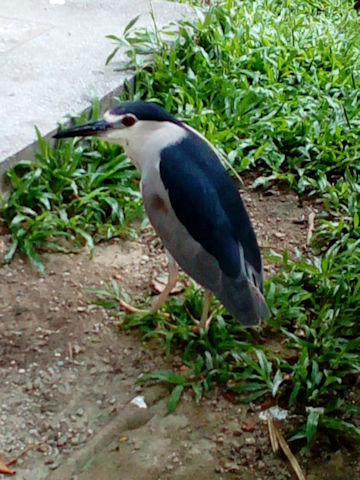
pixel 68 375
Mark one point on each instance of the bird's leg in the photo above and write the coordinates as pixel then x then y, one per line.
pixel 205 319
pixel 172 279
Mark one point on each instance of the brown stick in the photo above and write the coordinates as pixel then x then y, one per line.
pixel 273 437
pixel 280 440
pixel 311 227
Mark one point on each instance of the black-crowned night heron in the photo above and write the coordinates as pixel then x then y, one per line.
pixel 193 204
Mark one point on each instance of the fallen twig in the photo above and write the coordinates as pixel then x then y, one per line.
pixel 70 351
pixel 273 437
pixel 129 308
pixel 310 228
pixel 280 440
pixel 4 468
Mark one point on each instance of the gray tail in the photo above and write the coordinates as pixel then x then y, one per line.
pixel 243 300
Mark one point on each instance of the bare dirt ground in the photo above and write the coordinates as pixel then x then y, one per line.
pixel 68 375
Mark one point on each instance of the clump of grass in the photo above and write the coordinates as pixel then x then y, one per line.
pixel 75 195
pixel 270 83
pixel 274 85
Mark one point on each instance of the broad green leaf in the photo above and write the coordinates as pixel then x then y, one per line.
pixel 174 398
pixel 312 423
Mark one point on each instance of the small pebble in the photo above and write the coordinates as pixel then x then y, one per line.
pixel 62 440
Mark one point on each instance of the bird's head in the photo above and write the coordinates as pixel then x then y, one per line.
pixel 122 123
pixel 131 125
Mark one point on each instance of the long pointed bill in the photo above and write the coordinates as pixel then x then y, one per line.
pixel 85 130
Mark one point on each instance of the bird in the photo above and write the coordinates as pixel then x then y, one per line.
pixel 193 204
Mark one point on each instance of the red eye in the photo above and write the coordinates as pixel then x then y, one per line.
pixel 128 120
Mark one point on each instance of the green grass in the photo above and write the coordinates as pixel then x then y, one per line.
pixel 274 84
pixel 75 195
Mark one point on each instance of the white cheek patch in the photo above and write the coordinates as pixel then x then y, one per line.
pixel 111 118
pixel 114 134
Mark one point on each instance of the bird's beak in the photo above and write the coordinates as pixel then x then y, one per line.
pixel 97 128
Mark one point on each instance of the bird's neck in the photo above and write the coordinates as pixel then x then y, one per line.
pixel 144 144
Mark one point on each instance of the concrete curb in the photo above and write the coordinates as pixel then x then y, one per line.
pixel 52 55
pixel 29 152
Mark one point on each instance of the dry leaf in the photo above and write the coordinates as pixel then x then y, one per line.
pixel 273 437
pixel 229 397
pixel 249 425
pixel 159 282
pixel 266 404
pixel 310 228
pixel 285 448
pixel 4 469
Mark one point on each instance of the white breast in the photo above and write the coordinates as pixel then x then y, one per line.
pixel 144 141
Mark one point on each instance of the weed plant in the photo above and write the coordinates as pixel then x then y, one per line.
pixel 75 195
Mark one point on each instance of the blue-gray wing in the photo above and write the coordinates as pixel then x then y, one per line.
pixel 206 201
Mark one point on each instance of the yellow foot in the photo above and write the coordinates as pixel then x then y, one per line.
pixel 130 309
pixel 202 324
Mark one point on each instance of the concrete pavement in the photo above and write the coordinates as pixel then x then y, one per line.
pixel 52 57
